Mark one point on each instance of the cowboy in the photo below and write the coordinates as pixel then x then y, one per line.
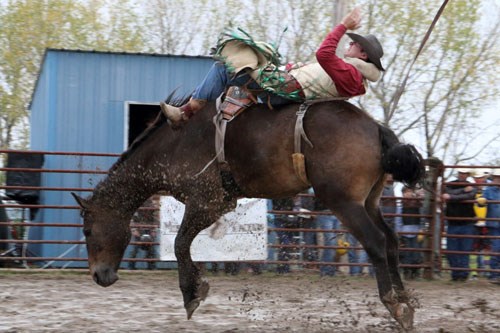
pixel 329 77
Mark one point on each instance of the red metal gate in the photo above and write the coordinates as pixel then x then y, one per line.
pixel 14 250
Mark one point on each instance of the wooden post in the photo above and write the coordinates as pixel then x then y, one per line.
pixel 339 11
pixel 435 169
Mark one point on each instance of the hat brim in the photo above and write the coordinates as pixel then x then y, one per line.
pixel 367 47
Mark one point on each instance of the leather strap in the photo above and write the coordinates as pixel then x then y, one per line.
pixel 297 157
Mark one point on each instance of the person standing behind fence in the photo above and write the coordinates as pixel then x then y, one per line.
pixel 492 193
pixel 477 261
pixel 144 216
pixel 388 202
pixel 357 256
pixel 329 237
pixel 463 225
pixel 285 237
pixel 272 236
pixel 307 221
pixel 411 205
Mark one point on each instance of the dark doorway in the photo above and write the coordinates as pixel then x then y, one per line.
pixel 140 116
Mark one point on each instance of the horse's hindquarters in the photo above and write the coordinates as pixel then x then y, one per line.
pixel 259 148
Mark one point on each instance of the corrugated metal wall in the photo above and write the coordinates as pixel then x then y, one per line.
pixel 79 106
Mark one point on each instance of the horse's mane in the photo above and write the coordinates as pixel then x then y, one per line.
pixel 158 122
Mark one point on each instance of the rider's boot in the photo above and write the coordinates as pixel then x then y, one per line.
pixel 183 113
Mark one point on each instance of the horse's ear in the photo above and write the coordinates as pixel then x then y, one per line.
pixel 81 201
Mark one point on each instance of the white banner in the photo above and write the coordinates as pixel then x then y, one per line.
pixel 238 235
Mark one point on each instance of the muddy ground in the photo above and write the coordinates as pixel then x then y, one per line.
pixel 140 301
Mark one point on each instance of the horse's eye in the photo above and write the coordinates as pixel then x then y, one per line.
pixel 87 232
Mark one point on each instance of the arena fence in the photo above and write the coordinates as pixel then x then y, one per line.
pixel 304 248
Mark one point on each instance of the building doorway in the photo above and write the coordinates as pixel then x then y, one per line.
pixel 140 116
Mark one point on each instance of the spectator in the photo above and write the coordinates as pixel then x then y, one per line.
pixel 144 216
pixel 307 221
pixel 272 237
pixel 492 193
pixel 4 230
pixel 477 261
pixel 329 237
pixel 230 267
pixel 285 237
pixel 411 205
pixel 357 257
pixel 143 235
pixel 388 202
pixel 460 224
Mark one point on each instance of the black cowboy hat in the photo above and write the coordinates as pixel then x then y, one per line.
pixel 371 46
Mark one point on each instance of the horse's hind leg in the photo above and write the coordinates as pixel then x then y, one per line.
pixel 374 240
pixel 392 248
pixel 392 242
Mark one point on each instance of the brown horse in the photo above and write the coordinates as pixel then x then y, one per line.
pixel 346 167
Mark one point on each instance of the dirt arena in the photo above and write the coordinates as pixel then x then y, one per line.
pixel 151 302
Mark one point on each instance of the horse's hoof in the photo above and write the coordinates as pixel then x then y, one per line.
pixel 191 306
pixel 401 312
pixel 404 316
pixel 203 289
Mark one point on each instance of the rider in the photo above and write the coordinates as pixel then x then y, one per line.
pixel 330 77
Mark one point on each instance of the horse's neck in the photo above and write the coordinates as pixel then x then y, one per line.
pixel 123 191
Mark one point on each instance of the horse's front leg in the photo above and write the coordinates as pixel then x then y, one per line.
pixel 194 288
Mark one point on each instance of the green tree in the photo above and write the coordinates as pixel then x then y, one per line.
pixel 28 27
pixel 179 27
pixel 451 83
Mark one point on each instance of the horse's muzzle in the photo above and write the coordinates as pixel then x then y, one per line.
pixel 104 277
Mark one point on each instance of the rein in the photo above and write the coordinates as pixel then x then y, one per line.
pixel 401 89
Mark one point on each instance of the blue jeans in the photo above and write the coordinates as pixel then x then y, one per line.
pixel 329 222
pixel 285 238
pixel 495 247
pixel 460 244
pixel 218 79
pixel 410 257
pixel 407 257
pixel 309 238
pixel 272 238
pixel 356 257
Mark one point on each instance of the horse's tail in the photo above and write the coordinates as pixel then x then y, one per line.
pixel 401 160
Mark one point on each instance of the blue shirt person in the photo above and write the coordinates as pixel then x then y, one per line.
pixel 492 193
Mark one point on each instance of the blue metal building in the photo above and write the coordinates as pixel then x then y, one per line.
pixel 87 101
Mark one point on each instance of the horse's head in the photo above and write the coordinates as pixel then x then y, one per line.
pixel 107 235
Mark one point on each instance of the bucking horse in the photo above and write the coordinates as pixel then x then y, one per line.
pixel 346 164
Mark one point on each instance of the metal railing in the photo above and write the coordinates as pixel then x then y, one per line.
pixel 15 249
